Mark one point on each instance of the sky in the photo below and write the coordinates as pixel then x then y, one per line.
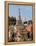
pixel 25 12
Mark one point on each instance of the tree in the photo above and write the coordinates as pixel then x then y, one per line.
pixel 11 20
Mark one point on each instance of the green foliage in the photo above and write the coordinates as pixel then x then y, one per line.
pixel 11 20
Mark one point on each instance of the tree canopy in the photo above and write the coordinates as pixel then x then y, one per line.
pixel 11 20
